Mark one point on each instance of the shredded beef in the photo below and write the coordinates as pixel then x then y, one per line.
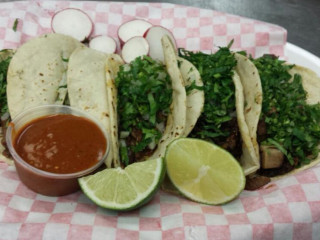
pixel 256 182
pixel 261 130
pixel 132 140
pixel 136 135
pixel 233 142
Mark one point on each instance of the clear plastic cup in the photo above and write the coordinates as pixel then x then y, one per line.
pixel 40 181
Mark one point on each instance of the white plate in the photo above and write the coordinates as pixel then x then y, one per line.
pixel 302 57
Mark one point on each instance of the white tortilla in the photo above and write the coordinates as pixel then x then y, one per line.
pixel 37 70
pixel 176 120
pixel 111 68
pixel 91 88
pixel 248 160
pixel 249 104
pixel 195 99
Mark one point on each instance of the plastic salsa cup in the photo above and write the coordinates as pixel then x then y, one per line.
pixel 41 181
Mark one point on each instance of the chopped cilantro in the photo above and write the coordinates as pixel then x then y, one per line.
pixel 144 99
pixel 63 86
pixel 4 64
pixel 15 25
pixel 193 86
pixel 216 71
pixel 293 126
pixel 65 59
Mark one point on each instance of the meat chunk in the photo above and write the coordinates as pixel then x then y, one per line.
pixel 271 157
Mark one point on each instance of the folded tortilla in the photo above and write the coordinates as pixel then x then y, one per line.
pixel 91 88
pixel 195 98
pixel 176 121
pixel 248 106
pixel 37 72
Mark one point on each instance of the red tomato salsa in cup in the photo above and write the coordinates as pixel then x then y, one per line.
pixel 54 145
pixel 60 143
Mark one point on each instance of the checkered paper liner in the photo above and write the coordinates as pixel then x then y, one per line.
pixel 288 208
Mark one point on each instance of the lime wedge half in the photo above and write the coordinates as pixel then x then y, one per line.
pixel 203 172
pixel 124 189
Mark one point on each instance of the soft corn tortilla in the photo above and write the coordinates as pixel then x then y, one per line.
pixel 176 121
pixel 248 106
pixel 37 70
pixel 91 88
pixel 195 99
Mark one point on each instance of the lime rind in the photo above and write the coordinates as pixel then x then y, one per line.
pixel 186 188
pixel 122 185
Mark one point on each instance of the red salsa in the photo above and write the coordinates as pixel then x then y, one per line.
pixel 61 143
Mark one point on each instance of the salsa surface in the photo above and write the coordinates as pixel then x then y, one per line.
pixel 61 143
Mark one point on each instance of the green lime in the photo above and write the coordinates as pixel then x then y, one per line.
pixel 204 172
pixel 124 189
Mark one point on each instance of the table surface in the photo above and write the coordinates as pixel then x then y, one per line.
pixel 300 18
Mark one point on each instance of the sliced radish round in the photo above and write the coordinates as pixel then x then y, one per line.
pixel 133 28
pixel 133 48
pixel 72 22
pixel 103 44
pixel 153 36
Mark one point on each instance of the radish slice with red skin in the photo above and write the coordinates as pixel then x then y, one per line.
pixel 133 28
pixel 153 36
pixel 72 22
pixel 133 48
pixel 103 44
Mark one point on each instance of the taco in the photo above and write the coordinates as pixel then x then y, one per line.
pixel 289 125
pixel 32 75
pixel 91 88
pixel 141 104
pixel 232 106
pixel 37 72
pixel 151 106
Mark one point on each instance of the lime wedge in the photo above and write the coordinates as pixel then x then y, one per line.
pixel 124 189
pixel 203 172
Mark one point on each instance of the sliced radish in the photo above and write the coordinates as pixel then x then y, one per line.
pixel 153 36
pixel 133 48
pixel 133 28
pixel 72 22
pixel 104 44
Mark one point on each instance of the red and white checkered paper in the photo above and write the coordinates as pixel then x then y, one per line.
pixel 285 209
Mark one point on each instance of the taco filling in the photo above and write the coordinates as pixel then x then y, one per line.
pixel 218 121
pixel 144 99
pixel 5 58
pixel 289 127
